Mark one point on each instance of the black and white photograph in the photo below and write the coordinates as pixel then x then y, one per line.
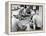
pixel 26 17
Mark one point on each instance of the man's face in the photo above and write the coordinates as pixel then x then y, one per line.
pixel 32 12
pixel 37 12
pixel 27 6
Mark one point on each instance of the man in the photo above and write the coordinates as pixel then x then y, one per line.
pixel 32 14
pixel 15 19
pixel 37 24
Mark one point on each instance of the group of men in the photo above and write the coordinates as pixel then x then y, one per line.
pixel 27 20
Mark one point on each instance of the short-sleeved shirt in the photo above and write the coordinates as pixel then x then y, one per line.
pixel 37 20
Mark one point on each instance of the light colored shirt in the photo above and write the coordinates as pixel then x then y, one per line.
pixel 14 22
pixel 36 19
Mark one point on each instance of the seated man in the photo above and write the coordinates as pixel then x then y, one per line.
pixel 37 21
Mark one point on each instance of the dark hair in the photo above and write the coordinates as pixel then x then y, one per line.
pixel 37 7
pixel 22 5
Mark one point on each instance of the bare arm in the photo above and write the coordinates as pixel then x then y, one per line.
pixel 34 23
